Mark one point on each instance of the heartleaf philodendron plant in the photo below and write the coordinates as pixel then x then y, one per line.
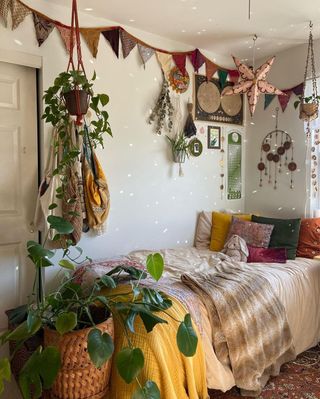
pixel 70 307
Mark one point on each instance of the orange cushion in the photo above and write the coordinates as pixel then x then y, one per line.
pixel 221 223
pixel 309 238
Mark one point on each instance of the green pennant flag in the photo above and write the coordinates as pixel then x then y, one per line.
pixel 222 78
pixel 268 100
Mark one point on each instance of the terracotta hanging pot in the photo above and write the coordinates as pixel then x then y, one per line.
pixel 308 111
pixel 74 107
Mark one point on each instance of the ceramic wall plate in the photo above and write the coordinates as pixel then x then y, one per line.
pixel 195 147
pixel 178 81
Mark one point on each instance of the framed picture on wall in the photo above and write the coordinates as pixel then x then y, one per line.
pixel 214 137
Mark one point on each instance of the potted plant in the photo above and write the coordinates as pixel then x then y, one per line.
pixel 180 147
pixel 308 107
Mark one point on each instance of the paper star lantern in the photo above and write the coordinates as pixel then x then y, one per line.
pixel 252 82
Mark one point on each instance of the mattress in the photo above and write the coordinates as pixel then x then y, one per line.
pixel 296 283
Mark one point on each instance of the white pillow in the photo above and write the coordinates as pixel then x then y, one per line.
pixel 203 231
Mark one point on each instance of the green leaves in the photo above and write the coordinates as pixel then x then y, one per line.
pixel 108 281
pixel 66 322
pixel 100 347
pixel 187 339
pixel 129 363
pixel 59 224
pixel 155 265
pixel 66 264
pixel 149 391
pixel 5 373
pixel 38 254
pixel 104 99
pixel 24 330
pixel 39 372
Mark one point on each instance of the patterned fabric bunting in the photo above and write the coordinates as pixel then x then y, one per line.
pixel 4 10
pixel 211 69
pixel 145 53
pixel 180 60
pixel 43 28
pixel 113 38
pixel 66 36
pixel 284 99
pixel 91 37
pixel 165 61
pixel 222 77
pixel 298 90
pixel 234 76
pixel 268 100
pixel 197 59
pixel 18 13
pixel 128 44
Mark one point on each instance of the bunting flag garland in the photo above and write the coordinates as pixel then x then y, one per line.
pixel 284 100
pixel 145 53
pixel 4 11
pixel 197 59
pixel 91 37
pixel 165 61
pixel 113 38
pixel 42 27
pixel 222 77
pixel 18 13
pixel 65 34
pixel 180 61
pixel 128 44
pixel 298 90
pixel 211 69
pixel 234 76
pixel 268 100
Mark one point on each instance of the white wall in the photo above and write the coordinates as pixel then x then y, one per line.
pixel 151 206
pixel 287 71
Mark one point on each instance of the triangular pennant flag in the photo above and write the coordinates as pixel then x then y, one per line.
pixel 284 99
pixel 180 60
pixel 222 77
pixel 145 53
pixel 128 43
pixel 18 13
pixel 113 38
pixel 298 90
pixel 197 59
pixel 234 75
pixel 211 69
pixel 268 100
pixel 165 61
pixel 66 36
pixel 4 10
pixel 43 28
pixel 91 37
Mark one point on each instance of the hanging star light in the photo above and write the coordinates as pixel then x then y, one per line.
pixel 253 82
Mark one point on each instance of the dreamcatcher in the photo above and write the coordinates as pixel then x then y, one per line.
pixel 277 153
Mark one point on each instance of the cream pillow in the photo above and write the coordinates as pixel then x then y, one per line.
pixel 203 231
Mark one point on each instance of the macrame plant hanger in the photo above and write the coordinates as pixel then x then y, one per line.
pixel 75 35
pixel 309 109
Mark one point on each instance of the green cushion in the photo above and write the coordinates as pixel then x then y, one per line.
pixel 284 235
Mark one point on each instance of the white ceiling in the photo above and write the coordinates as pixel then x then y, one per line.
pixel 221 27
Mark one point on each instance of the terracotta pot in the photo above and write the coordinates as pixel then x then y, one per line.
pixel 78 378
pixel 71 102
pixel 179 156
pixel 308 111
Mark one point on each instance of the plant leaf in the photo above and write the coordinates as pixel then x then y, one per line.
pixel 108 281
pixel 187 339
pixel 50 363
pixel 66 264
pixel 5 373
pixel 155 265
pixel 129 363
pixel 59 224
pixel 66 322
pixel 104 99
pixel 100 347
pixel 149 391
pixel 33 322
pixel 20 333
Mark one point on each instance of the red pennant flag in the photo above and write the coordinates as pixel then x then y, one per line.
pixel 113 38
pixel 211 69
pixel 284 99
pixel 197 59
pixel 234 75
pixel 66 36
pixel 180 60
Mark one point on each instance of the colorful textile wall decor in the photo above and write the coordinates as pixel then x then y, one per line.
pixel 234 188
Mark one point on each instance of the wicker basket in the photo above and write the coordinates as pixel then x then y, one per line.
pixel 308 111
pixel 78 377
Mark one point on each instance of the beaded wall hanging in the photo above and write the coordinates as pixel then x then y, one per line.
pixel 277 153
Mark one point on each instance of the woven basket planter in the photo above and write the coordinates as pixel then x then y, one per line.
pixel 308 111
pixel 78 377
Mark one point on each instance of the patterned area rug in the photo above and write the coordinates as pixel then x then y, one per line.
pixel 299 379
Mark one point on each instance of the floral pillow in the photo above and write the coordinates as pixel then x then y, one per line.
pixel 254 234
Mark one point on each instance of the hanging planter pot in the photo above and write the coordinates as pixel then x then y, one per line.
pixel 308 111
pixel 179 156
pixel 77 102
pixel 78 376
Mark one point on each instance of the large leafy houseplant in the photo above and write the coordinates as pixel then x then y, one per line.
pixel 70 308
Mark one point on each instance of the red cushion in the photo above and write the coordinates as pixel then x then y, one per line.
pixel 267 255
pixel 309 238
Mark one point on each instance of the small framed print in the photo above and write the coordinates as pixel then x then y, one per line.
pixel 214 137
pixel 195 147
